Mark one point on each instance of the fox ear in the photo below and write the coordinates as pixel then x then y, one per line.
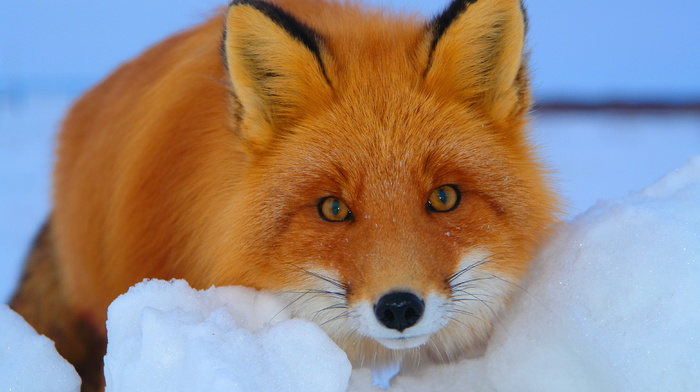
pixel 274 64
pixel 476 54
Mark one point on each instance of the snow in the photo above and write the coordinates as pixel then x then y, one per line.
pixel 29 362
pixel 27 128
pixel 611 305
pixel 604 155
pixel 165 336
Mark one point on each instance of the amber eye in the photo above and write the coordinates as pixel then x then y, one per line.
pixel 444 198
pixel 333 209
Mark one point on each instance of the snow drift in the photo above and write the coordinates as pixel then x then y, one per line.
pixel 612 305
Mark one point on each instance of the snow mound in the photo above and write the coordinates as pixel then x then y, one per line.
pixel 165 336
pixel 613 302
pixel 29 361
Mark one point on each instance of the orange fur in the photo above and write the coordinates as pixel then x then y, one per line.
pixel 184 165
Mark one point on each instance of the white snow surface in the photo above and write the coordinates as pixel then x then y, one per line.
pixel 165 336
pixel 29 362
pixel 612 305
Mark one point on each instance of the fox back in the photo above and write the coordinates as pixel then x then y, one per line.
pixel 372 169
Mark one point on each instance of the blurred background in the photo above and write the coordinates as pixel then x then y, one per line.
pixel 592 51
pixel 617 85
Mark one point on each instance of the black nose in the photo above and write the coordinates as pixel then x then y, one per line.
pixel 399 310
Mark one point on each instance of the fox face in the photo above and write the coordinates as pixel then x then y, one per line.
pixel 387 188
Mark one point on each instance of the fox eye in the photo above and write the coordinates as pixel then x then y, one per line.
pixel 333 209
pixel 444 198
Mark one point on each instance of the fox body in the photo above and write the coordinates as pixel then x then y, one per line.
pixel 372 169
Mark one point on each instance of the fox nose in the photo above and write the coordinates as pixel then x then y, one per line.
pixel 399 310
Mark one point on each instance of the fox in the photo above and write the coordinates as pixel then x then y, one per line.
pixel 373 169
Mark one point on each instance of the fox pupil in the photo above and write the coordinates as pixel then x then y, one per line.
pixel 443 196
pixel 336 207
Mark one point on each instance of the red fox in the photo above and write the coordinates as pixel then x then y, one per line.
pixel 373 169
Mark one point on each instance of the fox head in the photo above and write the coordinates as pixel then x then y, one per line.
pixel 387 187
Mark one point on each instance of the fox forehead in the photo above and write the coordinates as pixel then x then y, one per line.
pixel 390 145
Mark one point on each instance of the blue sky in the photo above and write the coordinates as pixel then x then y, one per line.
pixel 583 49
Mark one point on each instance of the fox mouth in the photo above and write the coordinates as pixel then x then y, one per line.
pixel 404 342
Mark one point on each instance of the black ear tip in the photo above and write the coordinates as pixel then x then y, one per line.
pixel 452 11
pixel 295 28
pixel 442 21
pixel 242 2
